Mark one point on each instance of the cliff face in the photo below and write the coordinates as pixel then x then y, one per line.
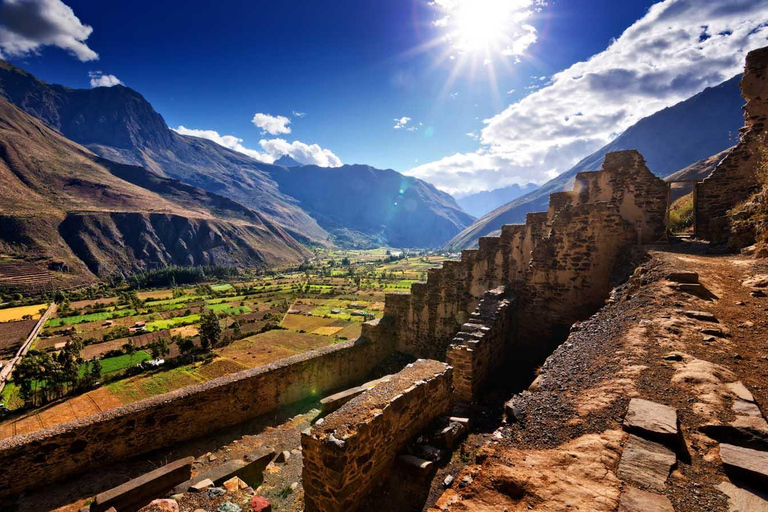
pixel 66 208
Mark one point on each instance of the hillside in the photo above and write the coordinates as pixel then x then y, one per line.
pixel 68 209
pixel 118 124
pixel 670 140
pixel 361 205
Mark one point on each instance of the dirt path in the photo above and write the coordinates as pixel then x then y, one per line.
pixel 563 449
pixel 6 371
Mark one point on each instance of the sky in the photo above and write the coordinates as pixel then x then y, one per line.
pixel 469 95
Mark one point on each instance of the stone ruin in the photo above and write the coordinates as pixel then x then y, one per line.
pixel 511 301
pixel 734 179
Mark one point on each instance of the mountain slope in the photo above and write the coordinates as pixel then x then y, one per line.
pixel 670 139
pixel 361 205
pixel 67 208
pixel 483 202
pixel 118 124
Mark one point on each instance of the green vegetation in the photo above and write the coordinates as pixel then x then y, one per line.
pixel 179 321
pixel 92 317
pixel 116 364
pixel 681 214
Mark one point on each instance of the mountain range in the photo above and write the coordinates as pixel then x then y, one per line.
pixel 119 125
pixel 670 140
pixel 480 203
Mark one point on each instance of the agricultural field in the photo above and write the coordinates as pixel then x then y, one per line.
pixel 16 314
pixel 262 319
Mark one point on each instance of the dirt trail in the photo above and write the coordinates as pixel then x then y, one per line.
pixel 563 450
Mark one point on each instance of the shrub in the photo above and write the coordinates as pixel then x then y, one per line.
pixel 681 214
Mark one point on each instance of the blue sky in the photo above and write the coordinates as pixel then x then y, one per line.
pixel 355 66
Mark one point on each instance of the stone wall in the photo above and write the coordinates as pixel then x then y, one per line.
pixel 54 453
pixel 481 345
pixel 350 451
pixel 607 206
pixel 735 180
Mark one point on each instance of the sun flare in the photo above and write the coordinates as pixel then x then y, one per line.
pixel 480 25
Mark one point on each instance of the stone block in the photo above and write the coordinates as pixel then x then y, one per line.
pixel 421 466
pixel 335 401
pixel 652 420
pixel 683 277
pixel 742 500
pixel 260 504
pixel 140 491
pixel 635 500
pixel 745 464
pixel 250 469
pixel 701 315
pixel 646 463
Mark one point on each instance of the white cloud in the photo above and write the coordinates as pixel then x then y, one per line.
pixel 99 79
pixel 401 123
pixel 299 114
pixel 28 25
pixel 310 154
pixel 273 125
pixel 273 149
pixel 662 59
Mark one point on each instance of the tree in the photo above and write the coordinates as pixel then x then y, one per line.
pixel 159 348
pixel 130 349
pixel 210 330
pixel 95 370
pixel 237 329
pixel 186 345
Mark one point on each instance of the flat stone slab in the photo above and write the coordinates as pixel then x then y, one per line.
pixel 683 276
pixel 652 421
pixel 742 500
pixel 136 493
pixel 740 390
pixel 745 463
pixel 746 431
pixel 701 315
pixel 635 500
pixel 646 463
pixel 250 469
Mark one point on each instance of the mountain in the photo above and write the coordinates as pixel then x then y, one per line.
pixel 364 207
pixel 670 139
pixel 118 124
pixel 483 202
pixel 68 211
pixel 287 161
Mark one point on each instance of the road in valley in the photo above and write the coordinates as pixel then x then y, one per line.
pixel 5 372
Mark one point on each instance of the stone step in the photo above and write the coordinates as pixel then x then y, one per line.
pixel 646 463
pixel 140 491
pixel 635 500
pixel 653 421
pixel 745 464
pixel 250 469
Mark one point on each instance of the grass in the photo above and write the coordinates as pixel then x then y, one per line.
pixel 116 364
pixel 681 214
pixel 91 317
pixel 221 287
pixel 15 314
pixel 230 310
pixel 179 321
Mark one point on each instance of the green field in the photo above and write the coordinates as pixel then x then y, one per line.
pixel 118 363
pixel 179 321
pixel 91 317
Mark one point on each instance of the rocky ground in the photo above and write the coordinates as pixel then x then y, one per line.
pixel 686 347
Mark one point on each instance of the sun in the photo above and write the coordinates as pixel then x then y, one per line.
pixel 480 25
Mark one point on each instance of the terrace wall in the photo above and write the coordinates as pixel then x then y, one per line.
pixel 481 344
pixel 352 449
pixel 563 256
pixel 54 453
pixel 735 179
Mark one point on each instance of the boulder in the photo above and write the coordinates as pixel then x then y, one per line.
pixel 646 463
pixel 260 504
pixel 652 421
pixel 635 500
pixel 165 505
pixel 745 463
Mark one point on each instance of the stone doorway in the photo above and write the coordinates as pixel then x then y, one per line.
pixel 681 208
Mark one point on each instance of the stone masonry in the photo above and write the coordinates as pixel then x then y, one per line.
pixel 561 259
pixel 349 452
pixel 734 180
pixel 478 349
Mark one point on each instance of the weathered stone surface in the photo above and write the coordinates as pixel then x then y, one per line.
pixel 420 465
pixel 348 453
pixel 682 276
pixel 742 500
pixel 760 281
pixel 746 431
pixel 646 463
pixel 450 435
pixel 138 492
pixel 165 505
pixel 652 421
pixel 201 485
pixel 635 500
pixel 745 463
